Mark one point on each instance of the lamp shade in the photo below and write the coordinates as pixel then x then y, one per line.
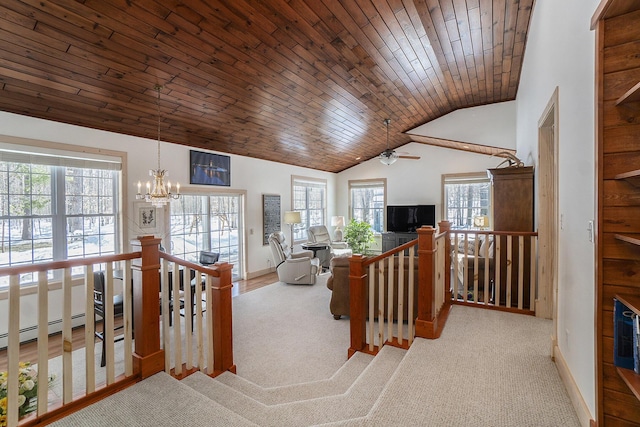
pixel 337 221
pixel 481 221
pixel 292 217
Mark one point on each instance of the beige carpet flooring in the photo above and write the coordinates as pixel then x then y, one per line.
pixel 488 369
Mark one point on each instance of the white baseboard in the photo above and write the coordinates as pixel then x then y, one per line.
pixel 31 333
pixel 582 410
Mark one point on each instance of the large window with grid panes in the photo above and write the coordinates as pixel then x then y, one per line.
pixel 467 200
pixel 56 205
pixel 310 199
pixel 367 202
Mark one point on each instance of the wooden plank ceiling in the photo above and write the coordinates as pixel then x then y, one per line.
pixel 302 82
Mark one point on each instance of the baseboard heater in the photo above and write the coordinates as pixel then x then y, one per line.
pixel 30 333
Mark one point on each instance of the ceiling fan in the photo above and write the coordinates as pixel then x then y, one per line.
pixel 389 156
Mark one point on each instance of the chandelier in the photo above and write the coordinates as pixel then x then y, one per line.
pixel 161 193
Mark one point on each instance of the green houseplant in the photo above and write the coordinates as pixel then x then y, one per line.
pixel 359 236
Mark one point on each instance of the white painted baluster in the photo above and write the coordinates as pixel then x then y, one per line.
pixel 188 315
pixel 465 268
pixel 412 319
pixel 198 320
pixel 67 340
pixel 486 270
pixel 496 260
pixel 520 272
pixel 534 270
pixel 166 333
pixel 380 313
pixel 476 254
pixel 43 341
pixel 13 349
pixel 372 318
pixel 401 281
pixel 127 307
pixel 177 330
pixel 390 285
pixel 209 309
pixel 509 266
pixel 89 328
pixel 108 324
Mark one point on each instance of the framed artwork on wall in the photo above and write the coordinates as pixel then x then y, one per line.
pixel 270 215
pixel 147 219
pixel 209 169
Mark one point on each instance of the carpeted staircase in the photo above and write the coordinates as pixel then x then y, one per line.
pixel 230 400
pixel 488 369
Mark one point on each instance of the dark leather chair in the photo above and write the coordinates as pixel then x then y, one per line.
pixel 99 310
pixel 208 258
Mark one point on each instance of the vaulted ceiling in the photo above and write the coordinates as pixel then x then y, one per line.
pixel 302 82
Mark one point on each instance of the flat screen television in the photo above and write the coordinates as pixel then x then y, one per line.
pixel 402 219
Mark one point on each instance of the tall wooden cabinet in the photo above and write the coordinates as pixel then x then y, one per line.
pixel 513 211
pixel 617 25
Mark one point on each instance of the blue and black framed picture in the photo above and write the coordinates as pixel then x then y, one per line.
pixel 210 169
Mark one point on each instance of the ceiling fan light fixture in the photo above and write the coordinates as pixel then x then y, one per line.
pixel 388 157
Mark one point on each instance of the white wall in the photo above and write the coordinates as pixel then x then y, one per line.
pixel 420 181
pixel 255 176
pixel 560 53
pixel 492 124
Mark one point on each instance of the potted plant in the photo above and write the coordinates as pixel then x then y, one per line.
pixel 359 236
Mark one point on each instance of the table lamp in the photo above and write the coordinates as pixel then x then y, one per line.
pixel 481 221
pixel 338 223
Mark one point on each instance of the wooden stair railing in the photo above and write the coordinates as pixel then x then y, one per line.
pixel 433 292
pixel 147 357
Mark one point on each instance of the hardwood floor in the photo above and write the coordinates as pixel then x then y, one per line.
pixel 29 350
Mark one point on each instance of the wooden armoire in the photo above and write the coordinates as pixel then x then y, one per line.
pixel 513 211
pixel 617 25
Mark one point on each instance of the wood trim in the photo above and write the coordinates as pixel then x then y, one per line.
pixel 461 145
pixel 577 400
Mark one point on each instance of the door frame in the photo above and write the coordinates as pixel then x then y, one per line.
pixel 548 216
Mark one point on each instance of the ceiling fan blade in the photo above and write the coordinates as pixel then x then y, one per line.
pixel 409 157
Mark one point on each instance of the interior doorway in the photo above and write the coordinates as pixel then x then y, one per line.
pixel 548 219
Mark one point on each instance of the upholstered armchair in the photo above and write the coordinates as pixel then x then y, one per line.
pixel 299 268
pixel 320 234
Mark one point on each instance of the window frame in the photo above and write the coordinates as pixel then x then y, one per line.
pixel 300 230
pixel 467 178
pixel 370 183
pixel 59 159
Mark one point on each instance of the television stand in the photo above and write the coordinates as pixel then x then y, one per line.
pixel 392 240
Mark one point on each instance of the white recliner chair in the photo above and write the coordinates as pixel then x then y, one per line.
pixel 320 234
pixel 299 268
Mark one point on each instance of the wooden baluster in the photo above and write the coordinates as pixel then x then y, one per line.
pixel 411 320
pixel 445 227
pixel 166 316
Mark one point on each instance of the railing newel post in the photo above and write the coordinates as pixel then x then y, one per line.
pixel 426 321
pixel 357 303
pixel 222 319
pixel 148 357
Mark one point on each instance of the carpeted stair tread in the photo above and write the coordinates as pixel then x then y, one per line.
pixel 172 404
pixel 357 401
pixel 337 384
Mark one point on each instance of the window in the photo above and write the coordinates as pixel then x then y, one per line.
pixel 367 202
pixel 55 206
pixel 207 223
pixel 466 196
pixel 309 198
